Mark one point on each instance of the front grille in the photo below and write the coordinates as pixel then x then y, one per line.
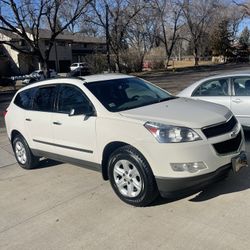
pixel 228 146
pixel 220 129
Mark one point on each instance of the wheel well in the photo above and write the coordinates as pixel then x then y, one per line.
pixel 14 133
pixel 108 150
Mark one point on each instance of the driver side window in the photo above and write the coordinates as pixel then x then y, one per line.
pixel 215 87
pixel 70 97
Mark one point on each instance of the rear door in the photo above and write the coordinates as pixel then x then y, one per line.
pixel 240 100
pixel 215 90
pixel 38 120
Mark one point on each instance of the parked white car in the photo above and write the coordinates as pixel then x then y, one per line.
pixel 230 90
pixel 81 65
pixel 38 75
pixel 140 137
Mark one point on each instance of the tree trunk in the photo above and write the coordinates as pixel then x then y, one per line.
pixel 42 63
pixel 46 62
pixel 118 62
pixel 141 63
pixel 168 60
pixel 196 57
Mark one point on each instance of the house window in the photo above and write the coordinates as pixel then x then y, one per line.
pixel 63 44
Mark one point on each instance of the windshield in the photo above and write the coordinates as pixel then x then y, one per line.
pixel 128 93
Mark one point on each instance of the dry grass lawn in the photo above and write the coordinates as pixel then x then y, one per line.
pixel 184 64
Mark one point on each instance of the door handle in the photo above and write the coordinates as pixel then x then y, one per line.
pixel 28 119
pixel 57 123
pixel 237 100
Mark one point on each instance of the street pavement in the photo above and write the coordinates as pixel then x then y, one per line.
pixel 61 206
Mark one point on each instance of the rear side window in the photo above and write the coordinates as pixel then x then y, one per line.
pixel 44 99
pixel 24 99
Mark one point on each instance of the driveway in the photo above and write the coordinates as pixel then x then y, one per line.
pixel 61 206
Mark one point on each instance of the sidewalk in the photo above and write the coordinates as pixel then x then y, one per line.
pixel 6 153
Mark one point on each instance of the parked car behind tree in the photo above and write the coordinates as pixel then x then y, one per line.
pixel 38 75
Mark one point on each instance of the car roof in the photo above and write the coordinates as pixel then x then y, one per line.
pixel 77 80
pixel 104 77
pixel 230 74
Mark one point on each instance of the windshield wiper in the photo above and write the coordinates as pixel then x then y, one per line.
pixel 168 98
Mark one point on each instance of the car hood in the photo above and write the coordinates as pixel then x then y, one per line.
pixel 181 112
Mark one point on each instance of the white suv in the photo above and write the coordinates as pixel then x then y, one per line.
pixel 81 65
pixel 141 138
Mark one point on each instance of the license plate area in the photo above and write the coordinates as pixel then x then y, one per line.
pixel 239 162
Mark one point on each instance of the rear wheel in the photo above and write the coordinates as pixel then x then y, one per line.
pixel 23 154
pixel 131 177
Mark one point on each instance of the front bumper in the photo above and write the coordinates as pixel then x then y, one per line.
pixel 160 156
pixel 174 187
pixel 178 186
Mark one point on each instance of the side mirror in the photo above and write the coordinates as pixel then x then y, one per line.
pixel 90 112
pixel 71 112
pixel 87 113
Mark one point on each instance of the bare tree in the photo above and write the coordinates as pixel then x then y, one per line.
pixel 120 15
pixel 169 15
pixel 198 15
pixel 244 6
pixel 141 35
pixel 25 18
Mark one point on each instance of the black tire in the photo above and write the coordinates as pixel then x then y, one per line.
pixel 31 161
pixel 148 191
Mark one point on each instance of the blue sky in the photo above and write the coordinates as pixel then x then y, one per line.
pixel 245 22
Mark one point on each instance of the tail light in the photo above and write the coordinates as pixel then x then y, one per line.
pixel 5 113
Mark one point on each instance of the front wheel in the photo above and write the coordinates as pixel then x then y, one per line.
pixel 131 177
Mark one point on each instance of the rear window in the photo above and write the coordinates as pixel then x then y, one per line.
pixel 24 99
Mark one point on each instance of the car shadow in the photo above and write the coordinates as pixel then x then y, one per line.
pixel 233 183
pixel 47 163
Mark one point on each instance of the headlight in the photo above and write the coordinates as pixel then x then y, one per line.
pixel 168 134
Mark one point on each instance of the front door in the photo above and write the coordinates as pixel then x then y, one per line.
pixel 215 90
pixel 240 101
pixel 74 131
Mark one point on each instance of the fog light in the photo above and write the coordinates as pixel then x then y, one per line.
pixel 191 167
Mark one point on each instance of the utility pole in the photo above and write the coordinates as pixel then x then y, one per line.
pixel 107 37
